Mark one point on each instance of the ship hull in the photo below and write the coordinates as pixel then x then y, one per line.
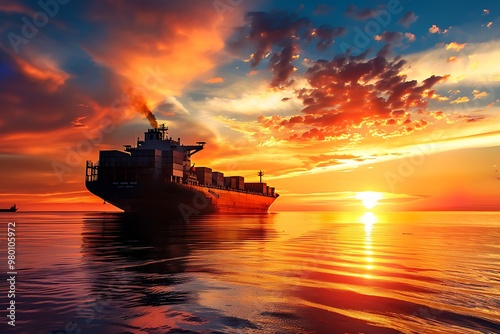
pixel 177 198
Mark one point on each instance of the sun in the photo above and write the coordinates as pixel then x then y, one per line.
pixel 369 198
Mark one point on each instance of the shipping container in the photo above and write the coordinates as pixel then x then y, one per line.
pixel 229 182
pixel 218 179
pixel 240 182
pixel 256 187
pixel 204 175
pixel 173 157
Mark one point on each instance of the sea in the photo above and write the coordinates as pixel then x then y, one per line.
pixel 282 272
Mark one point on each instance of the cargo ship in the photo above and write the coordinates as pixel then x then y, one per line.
pixel 156 176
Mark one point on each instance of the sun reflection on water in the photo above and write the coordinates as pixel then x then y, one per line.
pixel 368 219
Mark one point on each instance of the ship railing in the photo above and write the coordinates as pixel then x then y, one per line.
pixel 234 189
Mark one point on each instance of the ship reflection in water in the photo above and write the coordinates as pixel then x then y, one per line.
pixel 269 273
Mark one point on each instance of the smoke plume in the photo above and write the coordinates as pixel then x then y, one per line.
pixel 137 101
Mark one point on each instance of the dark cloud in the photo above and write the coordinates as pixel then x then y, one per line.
pixel 277 28
pixel 393 37
pixel 408 19
pixel 471 118
pixel 323 9
pixel 53 97
pixel 327 34
pixel 362 14
pixel 281 64
pixel 280 34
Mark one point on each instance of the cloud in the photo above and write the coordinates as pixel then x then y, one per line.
pixel 439 97
pixel 408 19
pixel 471 118
pixel 162 45
pixel 251 97
pixel 434 29
pixel 486 11
pixel 323 9
pixel 362 14
pixel 215 80
pixel 489 24
pixel 78 122
pixel 15 8
pixel 350 91
pixel 473 67
pixel 478 94
pixel 143 46
pixel 280 34
pixel 411 37
pixel 327 34
pixel 462 99
pixel 326 160
pixel 455 46
pixel 391 37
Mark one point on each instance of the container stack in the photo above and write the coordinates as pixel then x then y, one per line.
pixel 240 182
pixel 229 182
pixel 218 179
pixel 204 175
pixel 256 187
pixel 173 163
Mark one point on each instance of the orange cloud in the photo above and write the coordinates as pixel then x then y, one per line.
pixel 439 97
pixel 451 59
pixel 455 46
pixel 462 99
pixel 411 37
pixel 215 80
pixel 434 29
pixel 15 8
pixel 42 69
pixel 478 94
pixel 165 47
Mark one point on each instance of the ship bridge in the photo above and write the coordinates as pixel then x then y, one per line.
pixel 157 157
pixel 157 139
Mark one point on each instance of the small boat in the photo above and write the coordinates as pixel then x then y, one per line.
pixel 11 209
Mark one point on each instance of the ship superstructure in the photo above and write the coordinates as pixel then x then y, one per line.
pixel 157 175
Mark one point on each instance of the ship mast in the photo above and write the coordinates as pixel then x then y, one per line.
pixel 164 130
pixel 260 174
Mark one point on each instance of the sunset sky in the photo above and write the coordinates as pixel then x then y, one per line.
pixel 329 98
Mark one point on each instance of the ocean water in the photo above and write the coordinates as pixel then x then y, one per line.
pixel 291 272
